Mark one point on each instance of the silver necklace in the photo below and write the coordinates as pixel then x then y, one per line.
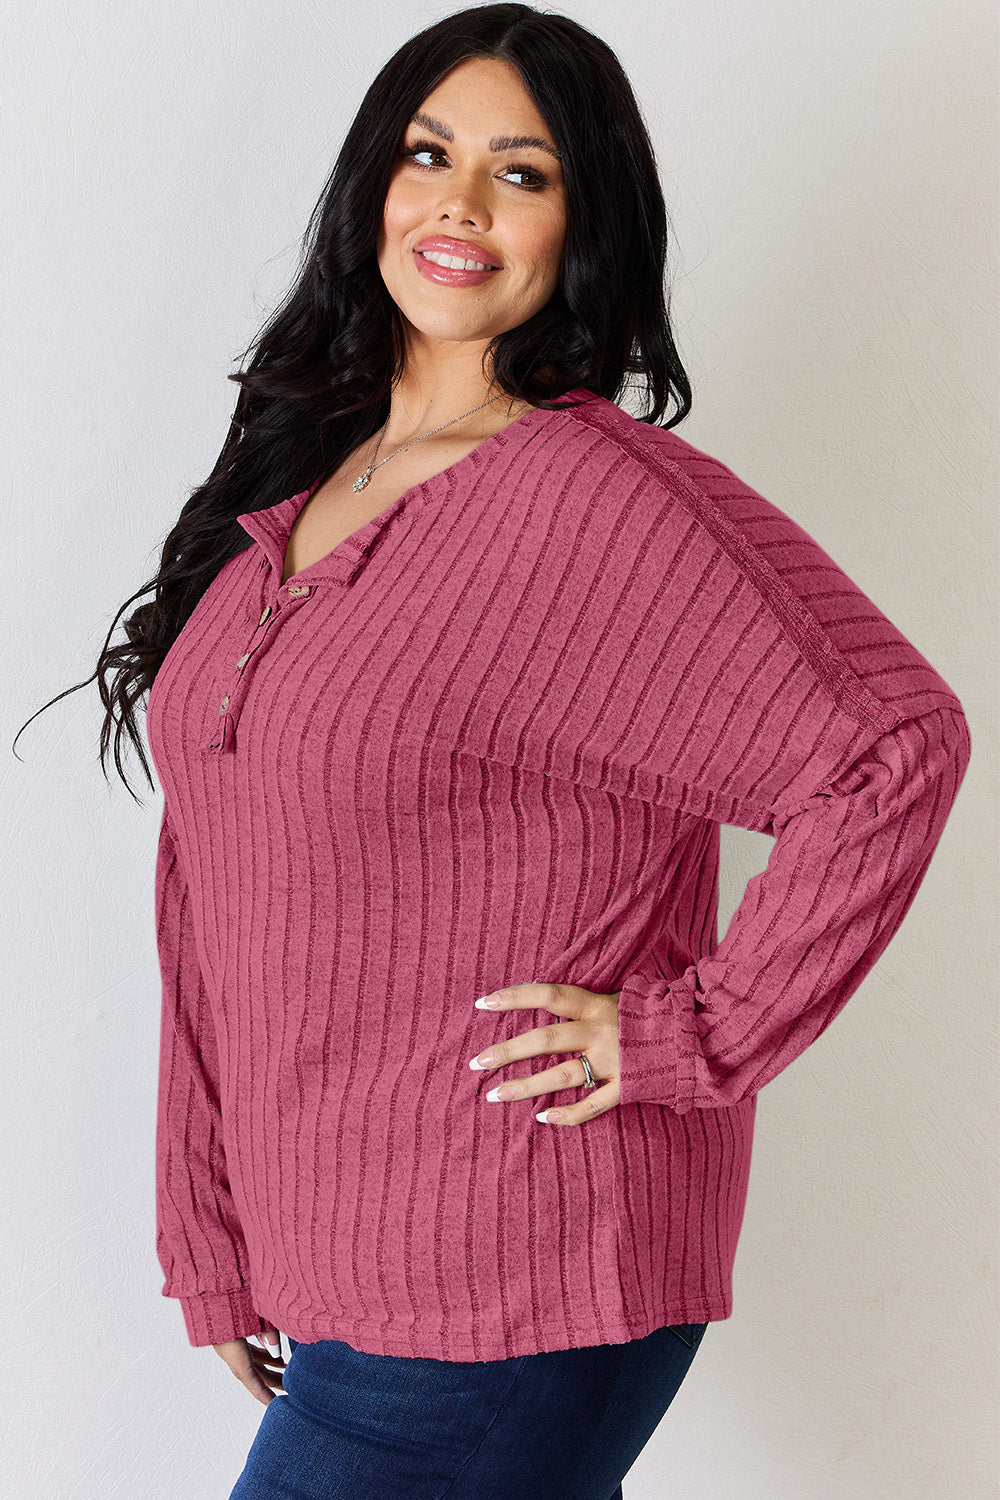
pixel 362 479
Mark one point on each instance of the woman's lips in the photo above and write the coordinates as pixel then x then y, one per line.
pixel 446 276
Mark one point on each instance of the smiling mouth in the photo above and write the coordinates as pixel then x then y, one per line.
pixel 455 262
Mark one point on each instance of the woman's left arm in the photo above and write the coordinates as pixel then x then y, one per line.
pixel 847 862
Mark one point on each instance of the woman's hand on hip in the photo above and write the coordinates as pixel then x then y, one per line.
pixel 592 1030
pixel 251 1365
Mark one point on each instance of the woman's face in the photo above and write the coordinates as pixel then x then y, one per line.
pixel 505 204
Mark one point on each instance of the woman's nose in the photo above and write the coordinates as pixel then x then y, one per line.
pixel 465 200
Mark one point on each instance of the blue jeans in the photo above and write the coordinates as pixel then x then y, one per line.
pixel 565 1424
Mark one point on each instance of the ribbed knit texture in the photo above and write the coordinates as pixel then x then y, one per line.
pixel 489 739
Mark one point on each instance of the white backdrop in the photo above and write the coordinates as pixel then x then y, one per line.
pixel 830 172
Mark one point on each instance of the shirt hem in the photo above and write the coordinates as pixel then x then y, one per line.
pixel 367 1337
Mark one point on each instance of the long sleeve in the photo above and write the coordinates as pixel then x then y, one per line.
pixel 847 861
pixel 199 1242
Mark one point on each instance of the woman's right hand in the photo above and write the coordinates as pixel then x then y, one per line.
pixel 251 1364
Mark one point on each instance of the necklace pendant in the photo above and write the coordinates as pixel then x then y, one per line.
pixel 362 479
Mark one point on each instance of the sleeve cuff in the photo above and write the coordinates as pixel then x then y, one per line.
pixel 656 1040
pixel 215 1317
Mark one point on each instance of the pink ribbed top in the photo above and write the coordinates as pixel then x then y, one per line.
pixel 489 739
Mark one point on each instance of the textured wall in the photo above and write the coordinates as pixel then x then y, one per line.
pixel 831 175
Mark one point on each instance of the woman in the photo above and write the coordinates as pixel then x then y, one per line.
pixel 458 670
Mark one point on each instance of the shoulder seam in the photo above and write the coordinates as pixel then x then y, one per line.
pixel 830 666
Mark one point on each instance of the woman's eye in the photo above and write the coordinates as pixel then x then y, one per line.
pixel 415 151
pixel 424 148
pixel 540 181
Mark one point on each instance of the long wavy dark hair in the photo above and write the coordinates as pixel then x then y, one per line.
pixel 320 379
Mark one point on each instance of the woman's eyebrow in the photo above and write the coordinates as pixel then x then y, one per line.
pixel 497 143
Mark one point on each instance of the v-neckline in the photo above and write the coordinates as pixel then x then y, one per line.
pixel 271 526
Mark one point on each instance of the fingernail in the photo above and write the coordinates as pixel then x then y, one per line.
pixel 487 1002
pixel 543 1117
pixel 494 1095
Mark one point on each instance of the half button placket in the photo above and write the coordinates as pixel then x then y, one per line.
pixel 290 597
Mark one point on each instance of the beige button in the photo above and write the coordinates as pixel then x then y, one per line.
pixel 243 659
pixel 298 588
pixel 225 704
pixel 264 615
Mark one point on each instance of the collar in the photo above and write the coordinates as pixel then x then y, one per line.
pixel 272 526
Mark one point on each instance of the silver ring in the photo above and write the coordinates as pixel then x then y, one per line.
pixel 589 1082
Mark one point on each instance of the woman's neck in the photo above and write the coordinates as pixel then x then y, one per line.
pixel 411 419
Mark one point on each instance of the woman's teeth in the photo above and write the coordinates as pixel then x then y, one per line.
pixel 453 262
